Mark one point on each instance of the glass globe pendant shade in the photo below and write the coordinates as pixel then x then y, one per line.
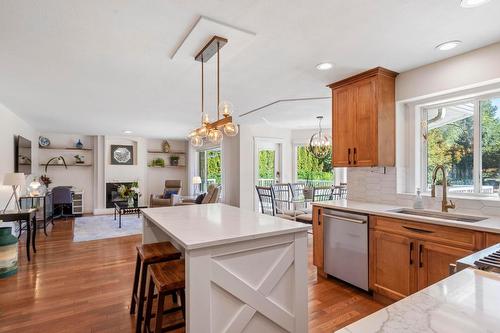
pixel 196 141
pixel 202 132
pixel 192 134
pixel 215 136
pixel 319 145
pixel 225 108
pixel 231 129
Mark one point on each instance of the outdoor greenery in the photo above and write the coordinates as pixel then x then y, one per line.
pixel 214 167
pixel 266 164
pixel 311 168
pixel 452 146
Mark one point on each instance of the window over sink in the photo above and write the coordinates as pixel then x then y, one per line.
pixel 463 136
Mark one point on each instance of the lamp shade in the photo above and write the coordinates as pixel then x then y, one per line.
pixel 14 179
pixel 196 180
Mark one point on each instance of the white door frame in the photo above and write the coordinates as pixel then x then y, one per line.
pixel 260 140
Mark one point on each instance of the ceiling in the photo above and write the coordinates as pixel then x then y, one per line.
pixel 101 67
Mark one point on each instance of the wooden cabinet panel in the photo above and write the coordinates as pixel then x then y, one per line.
pixel 364 148
pixel 393 265
pixel 363 116
pixel 318 238
pixel 434 261
pixel 452 236
pixel 343 113
pixel 492 239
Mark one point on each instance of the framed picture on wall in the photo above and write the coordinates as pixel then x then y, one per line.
pixel 122 154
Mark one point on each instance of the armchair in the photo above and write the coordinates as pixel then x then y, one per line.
pixel 159 201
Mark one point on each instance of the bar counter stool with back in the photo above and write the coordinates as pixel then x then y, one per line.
pixel 148 254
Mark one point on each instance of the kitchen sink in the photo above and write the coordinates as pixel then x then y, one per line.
pixel 439 215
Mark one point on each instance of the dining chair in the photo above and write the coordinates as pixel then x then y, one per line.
pixel 297 190
pixel 267 202
pixel 322 193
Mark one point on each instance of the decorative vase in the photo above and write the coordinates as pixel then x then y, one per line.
pixel 8 252
pixel 308 193
pixel 130 201
pixel 79 144
pixel 166 146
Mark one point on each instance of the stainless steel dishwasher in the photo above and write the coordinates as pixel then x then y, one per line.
pixel 346 246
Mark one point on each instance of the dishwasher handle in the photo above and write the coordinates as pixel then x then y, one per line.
pixel 345 219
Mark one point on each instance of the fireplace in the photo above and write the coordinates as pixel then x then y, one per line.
pixel 112 195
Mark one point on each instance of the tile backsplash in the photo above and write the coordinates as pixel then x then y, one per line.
pixel 373 185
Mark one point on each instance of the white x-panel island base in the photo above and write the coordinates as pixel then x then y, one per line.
pixel 245 272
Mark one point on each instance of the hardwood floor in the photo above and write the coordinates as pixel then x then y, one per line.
pixel 85 287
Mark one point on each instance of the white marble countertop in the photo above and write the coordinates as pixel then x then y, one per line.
pixel 467 302
pixel 491 224
pixel 198 226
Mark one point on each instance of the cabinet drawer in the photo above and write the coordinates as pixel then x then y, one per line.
pixel 492 239
pixel 77 197
pixel 464 238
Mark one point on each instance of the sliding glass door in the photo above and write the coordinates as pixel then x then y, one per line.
pixel 210 167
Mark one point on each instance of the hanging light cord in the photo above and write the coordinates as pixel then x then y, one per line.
pixel 218 81
pixel 202 92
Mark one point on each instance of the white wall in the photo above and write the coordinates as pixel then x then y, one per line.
pixel 231 170
pixel 10 126
pixel 248 133
pixel 440 80
pixel 80 177
pixel 156 176
pixel 468 70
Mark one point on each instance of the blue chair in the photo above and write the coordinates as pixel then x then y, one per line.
pixel 61 198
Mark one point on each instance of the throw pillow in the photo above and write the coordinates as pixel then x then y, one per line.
pixel 199 198
pixel 168 193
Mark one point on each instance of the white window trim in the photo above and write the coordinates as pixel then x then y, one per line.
pixel 477 147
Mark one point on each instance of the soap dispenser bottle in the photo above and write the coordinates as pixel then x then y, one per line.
pixel 419 203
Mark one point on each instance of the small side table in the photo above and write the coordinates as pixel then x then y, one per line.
pixel 122 208
pixel 28 215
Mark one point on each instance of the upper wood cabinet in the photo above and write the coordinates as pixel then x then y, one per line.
pixel 363 116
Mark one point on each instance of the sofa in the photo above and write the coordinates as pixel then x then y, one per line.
pixel 157 200
pixel 212 196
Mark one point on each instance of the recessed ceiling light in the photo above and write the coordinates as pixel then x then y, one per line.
pixel 472 3
pixel 324 66
pixel 127 132
pixel 448 45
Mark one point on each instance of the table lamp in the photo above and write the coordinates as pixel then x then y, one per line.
pixel 196 183
pixel 14 180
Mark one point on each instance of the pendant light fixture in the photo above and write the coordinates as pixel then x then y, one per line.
pixel 319 144
pixel 211 131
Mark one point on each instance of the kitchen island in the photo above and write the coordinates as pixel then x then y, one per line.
pixel 244 270
pixel 465 302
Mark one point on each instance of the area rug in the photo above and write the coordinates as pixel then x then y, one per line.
pixel 104 226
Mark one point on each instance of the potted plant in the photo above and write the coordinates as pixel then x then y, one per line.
pixel 45 180
pixel 130 193
pixel 174 160
pixel 308 188
pixel 158 163
pixel 79 159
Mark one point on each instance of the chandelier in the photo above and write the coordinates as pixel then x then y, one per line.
pixel 319 144
pixel 210 132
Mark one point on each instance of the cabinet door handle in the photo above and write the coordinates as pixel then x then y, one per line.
pixel 420 231
pixel 355 156
pixel 420 255
pixel 348 155
pixel 319 216
pixel 411 253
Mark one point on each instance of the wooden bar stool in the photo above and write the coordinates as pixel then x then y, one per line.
pixel 167 278
pixel 148 254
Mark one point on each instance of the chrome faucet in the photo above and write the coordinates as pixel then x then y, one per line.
pixel 444 203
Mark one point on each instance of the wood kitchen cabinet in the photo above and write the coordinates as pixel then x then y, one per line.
pixel 363 119
pixel 392 265
pixel 491 239
pixel 318 244
pixel 409 256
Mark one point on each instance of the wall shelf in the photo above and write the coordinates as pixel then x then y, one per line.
pixel 169 153
pixel 166 166
pixel 69 165
pixel 66 148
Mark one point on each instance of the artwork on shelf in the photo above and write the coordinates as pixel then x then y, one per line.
pixel 43 142
pixel 122 155
pixel 165 146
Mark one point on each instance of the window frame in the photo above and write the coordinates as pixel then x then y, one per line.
pixel 476 146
